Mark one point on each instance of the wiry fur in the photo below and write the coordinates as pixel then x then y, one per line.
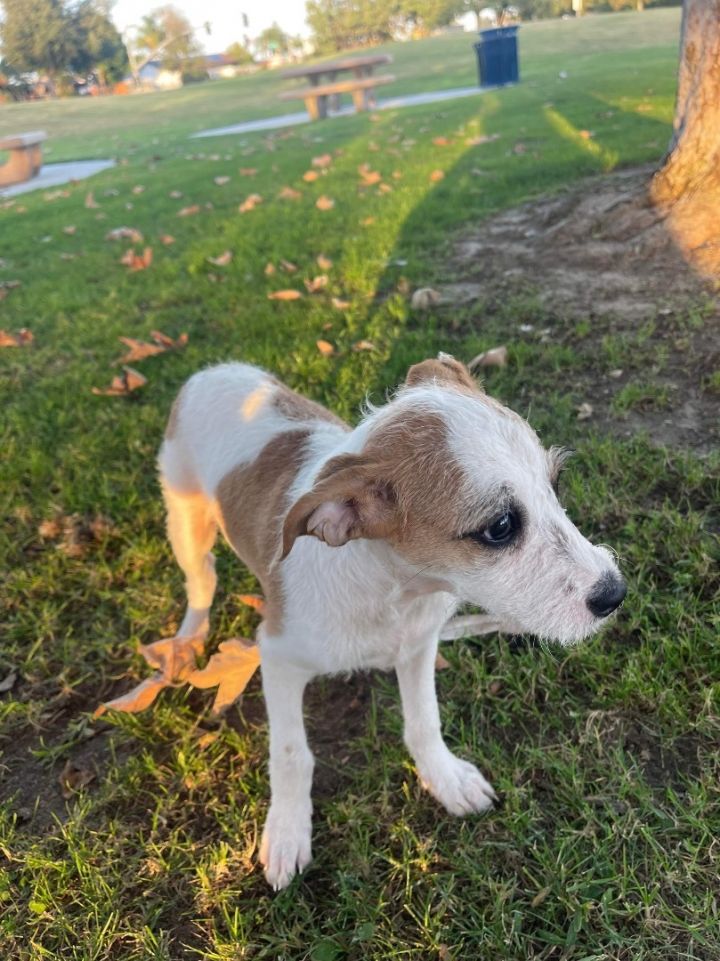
pixel 398 496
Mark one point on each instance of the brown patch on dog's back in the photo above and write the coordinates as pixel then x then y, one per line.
pixel 252 500
pixel 296 407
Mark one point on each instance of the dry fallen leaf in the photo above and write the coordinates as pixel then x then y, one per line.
pixel 317 283
pixel 167 239
pixel 483 138
pixel 253 600
pixel 138 189
pixel 441 664
pixel 139 350
pixel 496 357
pixel 424 297
pixel 323 262
pixel 139 698
pixel 175 194
pixel 288 266
pixel 222 260
pixel 367 222
pixel 189 211
pixel 519 148
pixel 125 233
pixel 539 898
pixel 8 682
pixel 21 339
pixel 230 669
pixel 397 174
pixel 137 261
pixel 73 777
pixel 285 295
pixel 269 269
pixel 437 175
pixel 310 175
pixel 368 176
pixel 247 171
pixel 364 345
pixel 221 181
pixel 339 303
pixel 585 411
pixel 586 134
pixel 325 348
pixel 90 201
pixel 324 160
pixel 250 202
pixel 441 141
pixel 288 193
pixel 123 384
pixel 160 338
pixel 324 203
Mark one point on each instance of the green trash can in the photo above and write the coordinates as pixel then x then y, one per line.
pixel 497 56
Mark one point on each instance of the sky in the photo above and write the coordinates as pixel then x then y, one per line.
pixel 225 17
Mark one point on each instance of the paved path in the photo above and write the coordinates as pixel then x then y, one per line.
pixel 390 103
pixel 55 175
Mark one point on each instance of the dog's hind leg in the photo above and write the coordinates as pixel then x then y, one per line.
pixel 192 530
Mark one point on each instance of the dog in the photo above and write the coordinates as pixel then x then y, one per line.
pixel 366 541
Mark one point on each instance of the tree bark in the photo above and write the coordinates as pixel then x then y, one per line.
pixel 686 189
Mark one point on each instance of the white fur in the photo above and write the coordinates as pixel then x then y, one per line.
pixel 363 605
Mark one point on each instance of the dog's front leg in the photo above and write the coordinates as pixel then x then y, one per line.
pixel 285 847
pixel 457 784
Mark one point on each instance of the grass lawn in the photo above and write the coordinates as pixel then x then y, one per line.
pixel 606 755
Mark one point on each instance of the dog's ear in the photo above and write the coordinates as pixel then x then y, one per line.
pixel 349 500
pixel 443 369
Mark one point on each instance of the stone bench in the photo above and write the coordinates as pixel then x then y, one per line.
pixel 25 158
pixel 316 97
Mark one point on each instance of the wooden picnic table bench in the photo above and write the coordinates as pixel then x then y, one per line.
pixel 25 158
pixel 321 96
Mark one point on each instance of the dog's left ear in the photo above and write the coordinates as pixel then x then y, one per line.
pixel 349 500
pixel 443 369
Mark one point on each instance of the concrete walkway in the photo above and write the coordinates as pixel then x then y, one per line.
pixel 55 175
pixel 391 103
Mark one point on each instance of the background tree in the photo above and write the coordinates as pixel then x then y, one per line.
pixel 166 35
pixel 99 48
pixel 273 40
pixel 339 24
pixel 687 187
pixel 239 53
pixel 37 35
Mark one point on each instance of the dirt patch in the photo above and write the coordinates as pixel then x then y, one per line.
pixel 601 254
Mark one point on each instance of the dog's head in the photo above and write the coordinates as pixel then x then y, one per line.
pixel 462 489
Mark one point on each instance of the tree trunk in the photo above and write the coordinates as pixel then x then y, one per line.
pixel 687 187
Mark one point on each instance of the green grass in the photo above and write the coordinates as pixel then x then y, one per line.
pixel 606 754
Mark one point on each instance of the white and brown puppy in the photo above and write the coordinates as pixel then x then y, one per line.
pixel 439 498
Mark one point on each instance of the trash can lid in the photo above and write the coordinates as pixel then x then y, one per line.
pixel 496 33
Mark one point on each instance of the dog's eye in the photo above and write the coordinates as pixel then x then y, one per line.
pixel 501 532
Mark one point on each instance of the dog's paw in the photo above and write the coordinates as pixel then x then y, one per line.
pixel 285 849
pixel 459 787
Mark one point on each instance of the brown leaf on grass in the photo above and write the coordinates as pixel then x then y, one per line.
pixel 397 174
pixel 496 357
pixel 288 193
pixel 160 338
pixel 483 138
pixel 221 181
pixel 288 266
pixel 229 669
pixel 519 148
pixel 441 664
pixel 369 176
pixel 269 269
pixel 222 260
pixel 175 194
pixel 364 345
pixel 167 239
pixel 21 339
pixel 253 600
pixel 586 134
pixel 189 211
pixel 317 283
pixel 123 384
pixel 324 203
pixel 437 175
pixel 585 411
pixel 441 141
pixel 73 777
pixel 384 189
pixel 8 682
pixel 323 161
pixel 323 262
pixel 250 203
pixel 138 189
pixel 284 295
pixel 247 171
pixel 340 304
pixel 137 261
pixel 90 201
pixel 367 222
pixel 424 298
pixel 139 350
pixel 138 699
pixel 125 233
pixel 310 175
pixel 325 348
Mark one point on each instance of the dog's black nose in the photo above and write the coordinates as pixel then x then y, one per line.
pixel 607 595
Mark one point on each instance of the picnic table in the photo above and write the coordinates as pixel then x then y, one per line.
pixel 325 89
pixel 25 158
